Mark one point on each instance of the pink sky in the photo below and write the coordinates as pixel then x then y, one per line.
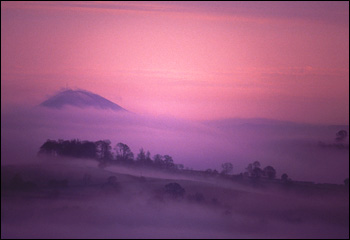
pixel 192 60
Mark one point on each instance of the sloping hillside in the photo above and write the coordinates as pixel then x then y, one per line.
pixel 77 199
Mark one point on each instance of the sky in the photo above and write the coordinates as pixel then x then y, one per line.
pixel 190 60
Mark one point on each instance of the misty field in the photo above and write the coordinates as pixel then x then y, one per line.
pixel 175 119
pixel 67 198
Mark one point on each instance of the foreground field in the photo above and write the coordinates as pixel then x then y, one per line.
pixel 76 199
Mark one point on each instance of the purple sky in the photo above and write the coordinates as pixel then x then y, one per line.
pixel 192 60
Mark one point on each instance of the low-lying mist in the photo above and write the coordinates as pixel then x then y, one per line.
pixel 70 198
pixel 289 147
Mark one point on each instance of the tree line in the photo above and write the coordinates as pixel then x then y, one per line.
pixel 102 151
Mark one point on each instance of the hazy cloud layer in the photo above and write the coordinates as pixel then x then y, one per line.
pixel 291 148
pixel 138 209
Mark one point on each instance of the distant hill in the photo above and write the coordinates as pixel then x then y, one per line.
pixel 80 98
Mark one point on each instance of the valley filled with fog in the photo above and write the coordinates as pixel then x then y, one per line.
pixel 291 148
pixel 50 197
pixel 174 119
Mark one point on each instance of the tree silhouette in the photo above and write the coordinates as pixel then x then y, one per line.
pixel 256 164
pixel 144 158
pixel 254 170
pixel 270 172
pixel 256 173
pixel 141 157
pixel 103 150
pixel 88 150
pixel 226 168
pixel 70 148
pixel 149 161
pixel 341 136
pixel 168 162
pixel 158 161
pixel 174 190
pixel 249 169
pixel 123 153
pixel 284 177
pixel 50 147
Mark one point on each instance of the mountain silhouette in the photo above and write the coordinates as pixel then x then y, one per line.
pixel 81 99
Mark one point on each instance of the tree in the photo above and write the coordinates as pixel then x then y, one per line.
pixel 226 168
pixel 341 136
pixel 143 158
pixel 123 153
pixel 148 159
pixel 254 170
pixel 249 169
pixel 72 148
pixel 68 148
pixel 158 161
pixel 284 177
pixel 103 150
pixel 174 190
pixel 88 150
pixel 256 164
pixel 168 162
pixel 50 147
pixel 270 172
pixel 256 173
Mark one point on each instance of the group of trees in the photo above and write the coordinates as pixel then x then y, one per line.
pixel 340 141
pixel 72 148
pixel 254 171
pixel 102 151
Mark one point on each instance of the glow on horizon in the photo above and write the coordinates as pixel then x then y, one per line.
pixel 194 60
